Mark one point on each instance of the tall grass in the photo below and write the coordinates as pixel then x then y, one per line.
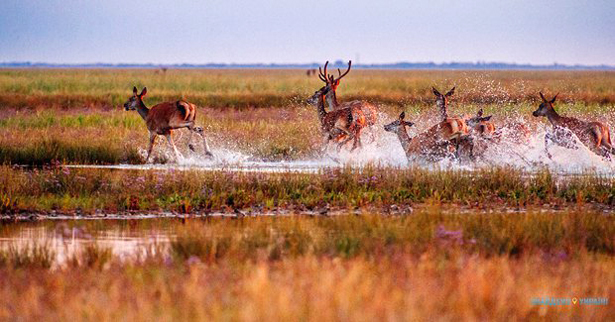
pixel 29 256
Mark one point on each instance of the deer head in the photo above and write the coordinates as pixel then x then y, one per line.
pixel 473 121
pixel 136 100
pixel 398 124
pixel 442 100
pixel 331 82
pixel 545 106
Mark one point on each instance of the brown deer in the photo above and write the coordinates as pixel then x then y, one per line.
pixel 480 124
pixel 435 144
pixel 343 124
pixel 594 135
pixel 162 118
pixel 442 102
pixel 369 110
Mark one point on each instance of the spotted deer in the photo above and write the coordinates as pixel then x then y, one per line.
pixel 165 117
pixel 435 144
pixel 340 125
pixel 369 110
pixel 594 135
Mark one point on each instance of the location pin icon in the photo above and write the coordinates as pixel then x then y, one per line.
pixel 574 300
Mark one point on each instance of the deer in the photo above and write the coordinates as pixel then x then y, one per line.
pixel 435 144
pixel 594 135
pixel 165 117
pixel 442 101
pixel 342 124
pixel 368 109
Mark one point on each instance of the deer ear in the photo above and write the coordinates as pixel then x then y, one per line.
pixel 402 115
pixel 134 90
pixel 543 97
pixel 553 100
pixel 487 118
pixel 435 91
pixel 451 92
pixel 408 123
pixel 480 113
pixel 143 92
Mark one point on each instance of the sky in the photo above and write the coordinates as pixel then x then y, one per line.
pixel 289 31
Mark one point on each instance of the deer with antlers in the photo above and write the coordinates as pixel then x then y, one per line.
pixel 594 135
pixel 165 117
pixel 435 144
pixel 369 110
pixel 341 125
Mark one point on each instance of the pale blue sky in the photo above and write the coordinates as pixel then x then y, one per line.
pixel 267 31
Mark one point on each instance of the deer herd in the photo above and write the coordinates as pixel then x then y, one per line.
pixel 464 138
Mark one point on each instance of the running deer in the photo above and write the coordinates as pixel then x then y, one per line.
pixel 343 124
pixel 369 110
pixel 435 144
pixel 442 102
pixel 594 135
pixel 164 117
pixel 480 124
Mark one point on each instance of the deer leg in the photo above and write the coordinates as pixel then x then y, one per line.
pixel 548 138
pixel 172 144
pixel 357 140
pixel 348 138
pixel 190 145
pixel 199 131
pixel 152 139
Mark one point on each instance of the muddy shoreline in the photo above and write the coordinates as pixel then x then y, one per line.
pixel 393 210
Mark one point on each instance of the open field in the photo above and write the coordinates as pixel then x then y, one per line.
pixel 368 267
pixel 76 116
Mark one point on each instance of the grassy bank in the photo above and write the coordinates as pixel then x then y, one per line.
pixel 336 268
pixel 379 189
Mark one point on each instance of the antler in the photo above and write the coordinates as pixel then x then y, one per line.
pixel 340 72
pixel 321 75
pixel 330 78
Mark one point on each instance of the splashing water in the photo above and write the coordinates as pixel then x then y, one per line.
pixel 383 149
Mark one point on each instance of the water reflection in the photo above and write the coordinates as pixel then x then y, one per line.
pixel 125 238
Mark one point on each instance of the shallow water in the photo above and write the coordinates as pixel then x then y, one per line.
pixel 386 151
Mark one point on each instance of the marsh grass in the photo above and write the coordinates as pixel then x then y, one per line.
pixel 553 236
pixel 371 188
pixel 76 116
pixel 39 256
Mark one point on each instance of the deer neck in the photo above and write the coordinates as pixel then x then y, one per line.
pixel 443 110
pixel 332 100
pixel 322 112
pixel 555 118
pixel 142 110
pixel 404 139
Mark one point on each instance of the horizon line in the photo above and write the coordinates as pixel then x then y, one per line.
pixel 336 63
